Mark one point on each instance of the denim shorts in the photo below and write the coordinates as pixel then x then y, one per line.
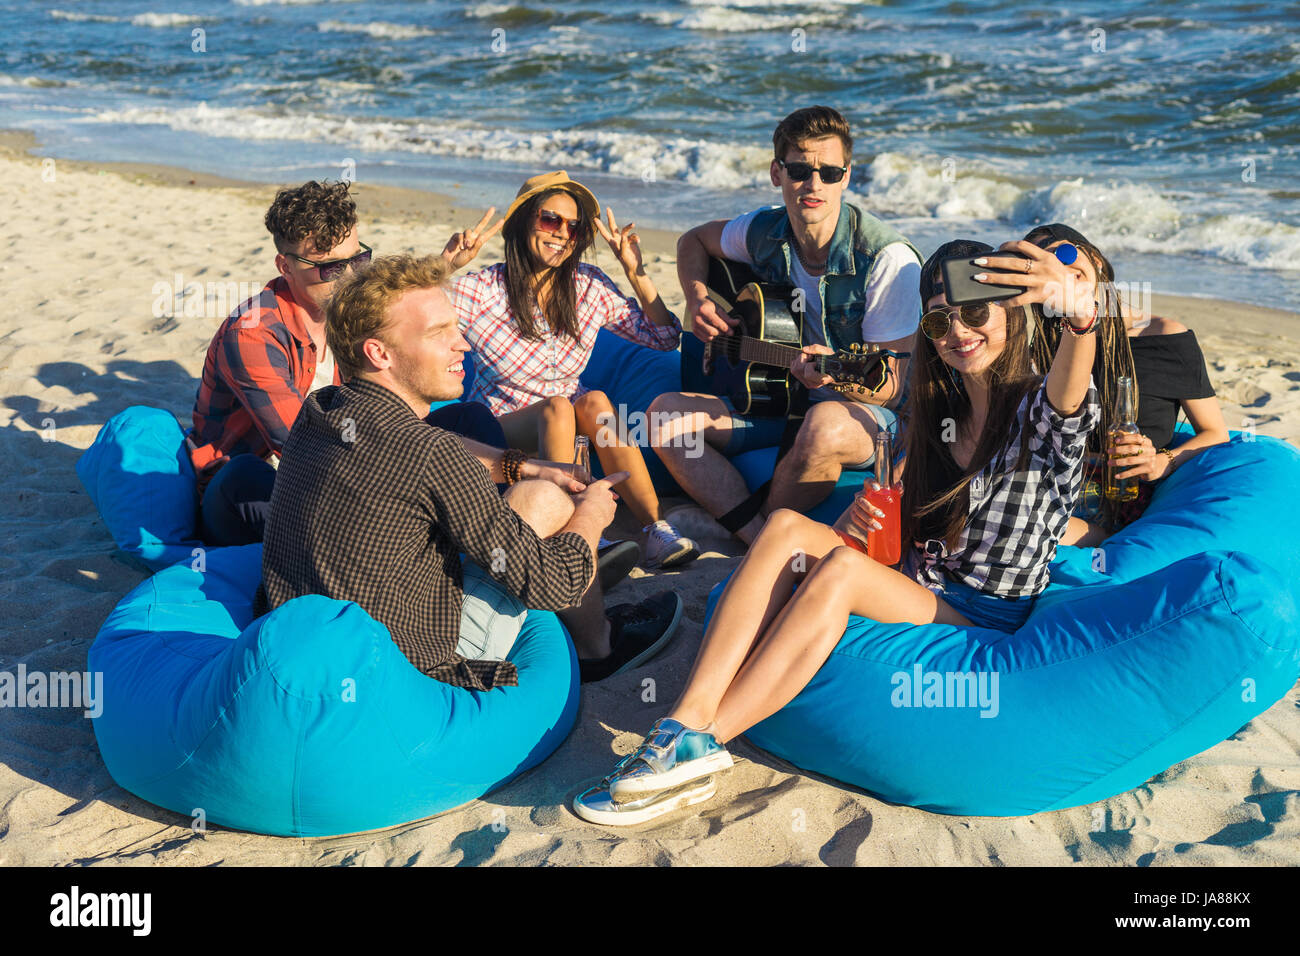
pixel 490 617
pixel 750 432
pixel 987 610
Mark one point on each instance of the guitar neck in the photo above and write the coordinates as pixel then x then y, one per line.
pixel 767 353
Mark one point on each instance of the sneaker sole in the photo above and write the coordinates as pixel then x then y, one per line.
pixel 658 645
pixel 616 563
pixel 596 805
pixel 638 788
pixel 675 560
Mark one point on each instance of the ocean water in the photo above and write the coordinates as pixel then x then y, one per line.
pixel 1167 132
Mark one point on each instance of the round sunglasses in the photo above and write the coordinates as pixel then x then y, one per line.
pixel 936 323
pixel 801 171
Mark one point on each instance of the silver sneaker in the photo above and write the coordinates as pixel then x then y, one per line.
pixel 596 805
pixel 671 755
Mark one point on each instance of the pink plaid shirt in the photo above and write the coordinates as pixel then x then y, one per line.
pixel 513 372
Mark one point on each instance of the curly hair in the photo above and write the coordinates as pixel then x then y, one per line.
pixel 812 122
pixel 358 308
pixel 323 212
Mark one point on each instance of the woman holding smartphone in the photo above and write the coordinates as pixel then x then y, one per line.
pixel 994 461
pixel 1163 360
pixel 533 320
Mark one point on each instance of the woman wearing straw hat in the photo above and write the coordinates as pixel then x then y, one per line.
pixel 532 321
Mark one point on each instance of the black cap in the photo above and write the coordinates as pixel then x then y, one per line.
pixel 1055 232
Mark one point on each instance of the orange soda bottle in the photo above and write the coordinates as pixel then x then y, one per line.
pixel 886 544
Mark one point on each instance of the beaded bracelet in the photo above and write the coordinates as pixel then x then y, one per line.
pixel 1091 326
pixel 512 461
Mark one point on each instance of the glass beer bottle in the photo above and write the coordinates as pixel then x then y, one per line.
pixel 582 458
pixel 1121 489
pixel 885 545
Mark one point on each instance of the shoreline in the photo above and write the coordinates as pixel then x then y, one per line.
pixel 405 203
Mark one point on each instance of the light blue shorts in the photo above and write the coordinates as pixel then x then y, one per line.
pixel 490 617
pixel 986 610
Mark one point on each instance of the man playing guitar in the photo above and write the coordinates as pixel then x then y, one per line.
pixel 861 284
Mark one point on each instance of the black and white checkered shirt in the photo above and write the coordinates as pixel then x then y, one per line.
pixel 373 505
pixel 1016 517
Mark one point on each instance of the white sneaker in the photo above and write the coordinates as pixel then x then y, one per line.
pixel 665 547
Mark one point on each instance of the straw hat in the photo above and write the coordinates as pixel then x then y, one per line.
pixel 547 181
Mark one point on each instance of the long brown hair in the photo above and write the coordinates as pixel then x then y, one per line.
pixel 936 492
pixel 1114 354
pixel 522 266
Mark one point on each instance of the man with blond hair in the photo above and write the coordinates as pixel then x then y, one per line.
pixel 373 505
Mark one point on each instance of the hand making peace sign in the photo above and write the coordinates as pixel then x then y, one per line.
pixel 625 243
pixel 462 247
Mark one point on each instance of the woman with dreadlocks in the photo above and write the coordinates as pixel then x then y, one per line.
pixel 994 460
pixel 1165 364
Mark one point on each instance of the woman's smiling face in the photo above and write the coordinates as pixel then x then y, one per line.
pixel 970 350
pixel 550 249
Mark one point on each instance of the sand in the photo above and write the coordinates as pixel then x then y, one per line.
pixel 88 255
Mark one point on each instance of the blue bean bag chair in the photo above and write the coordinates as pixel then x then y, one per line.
pixel 307 721
pixel 140 478
pixel 1170 637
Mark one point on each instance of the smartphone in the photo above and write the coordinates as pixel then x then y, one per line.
pixel 961 288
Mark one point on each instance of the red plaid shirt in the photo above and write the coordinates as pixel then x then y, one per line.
pixel 258 370
pixel 512 372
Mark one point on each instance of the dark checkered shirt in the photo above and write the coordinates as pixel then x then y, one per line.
pixel 1016 517
pixel 373 505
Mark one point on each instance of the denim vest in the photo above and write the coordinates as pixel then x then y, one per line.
pixel 859 237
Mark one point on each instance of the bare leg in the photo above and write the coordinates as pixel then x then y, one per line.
pixel 834 434
pixel 692 432
pixel 788 546
pixel 1083 534
pixel 595 416
pixel 545 428
pixel 547 509
pixel 791 651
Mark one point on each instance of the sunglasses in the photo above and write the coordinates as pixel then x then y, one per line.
pixel 801 171
pixel 331 270
pixel 548 221
pixel 936 323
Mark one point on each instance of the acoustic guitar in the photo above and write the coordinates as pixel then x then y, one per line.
pixel 752 365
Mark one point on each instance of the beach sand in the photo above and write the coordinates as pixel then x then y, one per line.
pixel 91 249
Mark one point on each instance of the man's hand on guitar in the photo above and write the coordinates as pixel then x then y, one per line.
pixel 805 370
pixel 708 321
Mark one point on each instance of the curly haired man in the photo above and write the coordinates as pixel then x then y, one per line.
pixel 271 353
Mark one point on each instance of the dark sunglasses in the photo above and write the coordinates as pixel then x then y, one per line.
pixel 331 270
pixel 548 221
pixel 936 323
pixel 801 171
